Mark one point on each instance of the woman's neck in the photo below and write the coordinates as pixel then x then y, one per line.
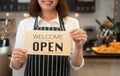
pixel 48 16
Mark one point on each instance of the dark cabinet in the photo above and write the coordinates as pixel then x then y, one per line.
pixel 13 5
pixel 22 5
pixel 85 5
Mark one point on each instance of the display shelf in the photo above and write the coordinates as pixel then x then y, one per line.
pixel 94 55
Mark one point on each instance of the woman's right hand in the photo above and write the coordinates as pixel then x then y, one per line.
pixel 18 58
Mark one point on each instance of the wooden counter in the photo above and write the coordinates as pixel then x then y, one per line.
pixel 93 57
pixel 104 60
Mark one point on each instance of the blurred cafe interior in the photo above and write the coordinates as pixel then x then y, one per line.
pixel 99 18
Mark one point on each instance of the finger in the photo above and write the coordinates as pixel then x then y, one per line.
pixel 20 50
pixel 19 60
pixel 73 30
pixel 79 37
pixel 78 31
pixel 19 55
pixel 15 56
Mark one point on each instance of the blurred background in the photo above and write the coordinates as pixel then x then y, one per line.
pixel 99 18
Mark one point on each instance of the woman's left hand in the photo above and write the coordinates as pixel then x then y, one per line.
pixel 79 36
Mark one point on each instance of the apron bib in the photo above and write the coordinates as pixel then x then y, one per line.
pixel 47 65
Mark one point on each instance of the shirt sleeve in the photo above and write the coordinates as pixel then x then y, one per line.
pixel 74 24
pixel 74 67
pixel 77 68
pixel 20 36
pixel 19 39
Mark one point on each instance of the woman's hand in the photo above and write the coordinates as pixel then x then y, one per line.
pixel 79 36
pixel 19 57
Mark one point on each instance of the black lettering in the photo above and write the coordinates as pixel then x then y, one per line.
pixel 50 46
pixel 35 36
pixel 43 44
pixel 35 46
pixel 58 46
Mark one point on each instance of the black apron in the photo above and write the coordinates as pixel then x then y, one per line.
pixel 47 65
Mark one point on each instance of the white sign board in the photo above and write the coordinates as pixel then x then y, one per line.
pixel 48 42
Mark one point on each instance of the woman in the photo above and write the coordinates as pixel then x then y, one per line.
pixel 48 15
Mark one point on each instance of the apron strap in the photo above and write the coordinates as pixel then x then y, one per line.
pixel 62 27
pixel 36 24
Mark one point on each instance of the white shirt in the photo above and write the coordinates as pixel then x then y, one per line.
pixel 28 24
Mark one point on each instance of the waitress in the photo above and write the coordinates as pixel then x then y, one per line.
pixel 48 15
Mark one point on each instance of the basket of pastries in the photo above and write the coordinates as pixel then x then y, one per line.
pixel 113 48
